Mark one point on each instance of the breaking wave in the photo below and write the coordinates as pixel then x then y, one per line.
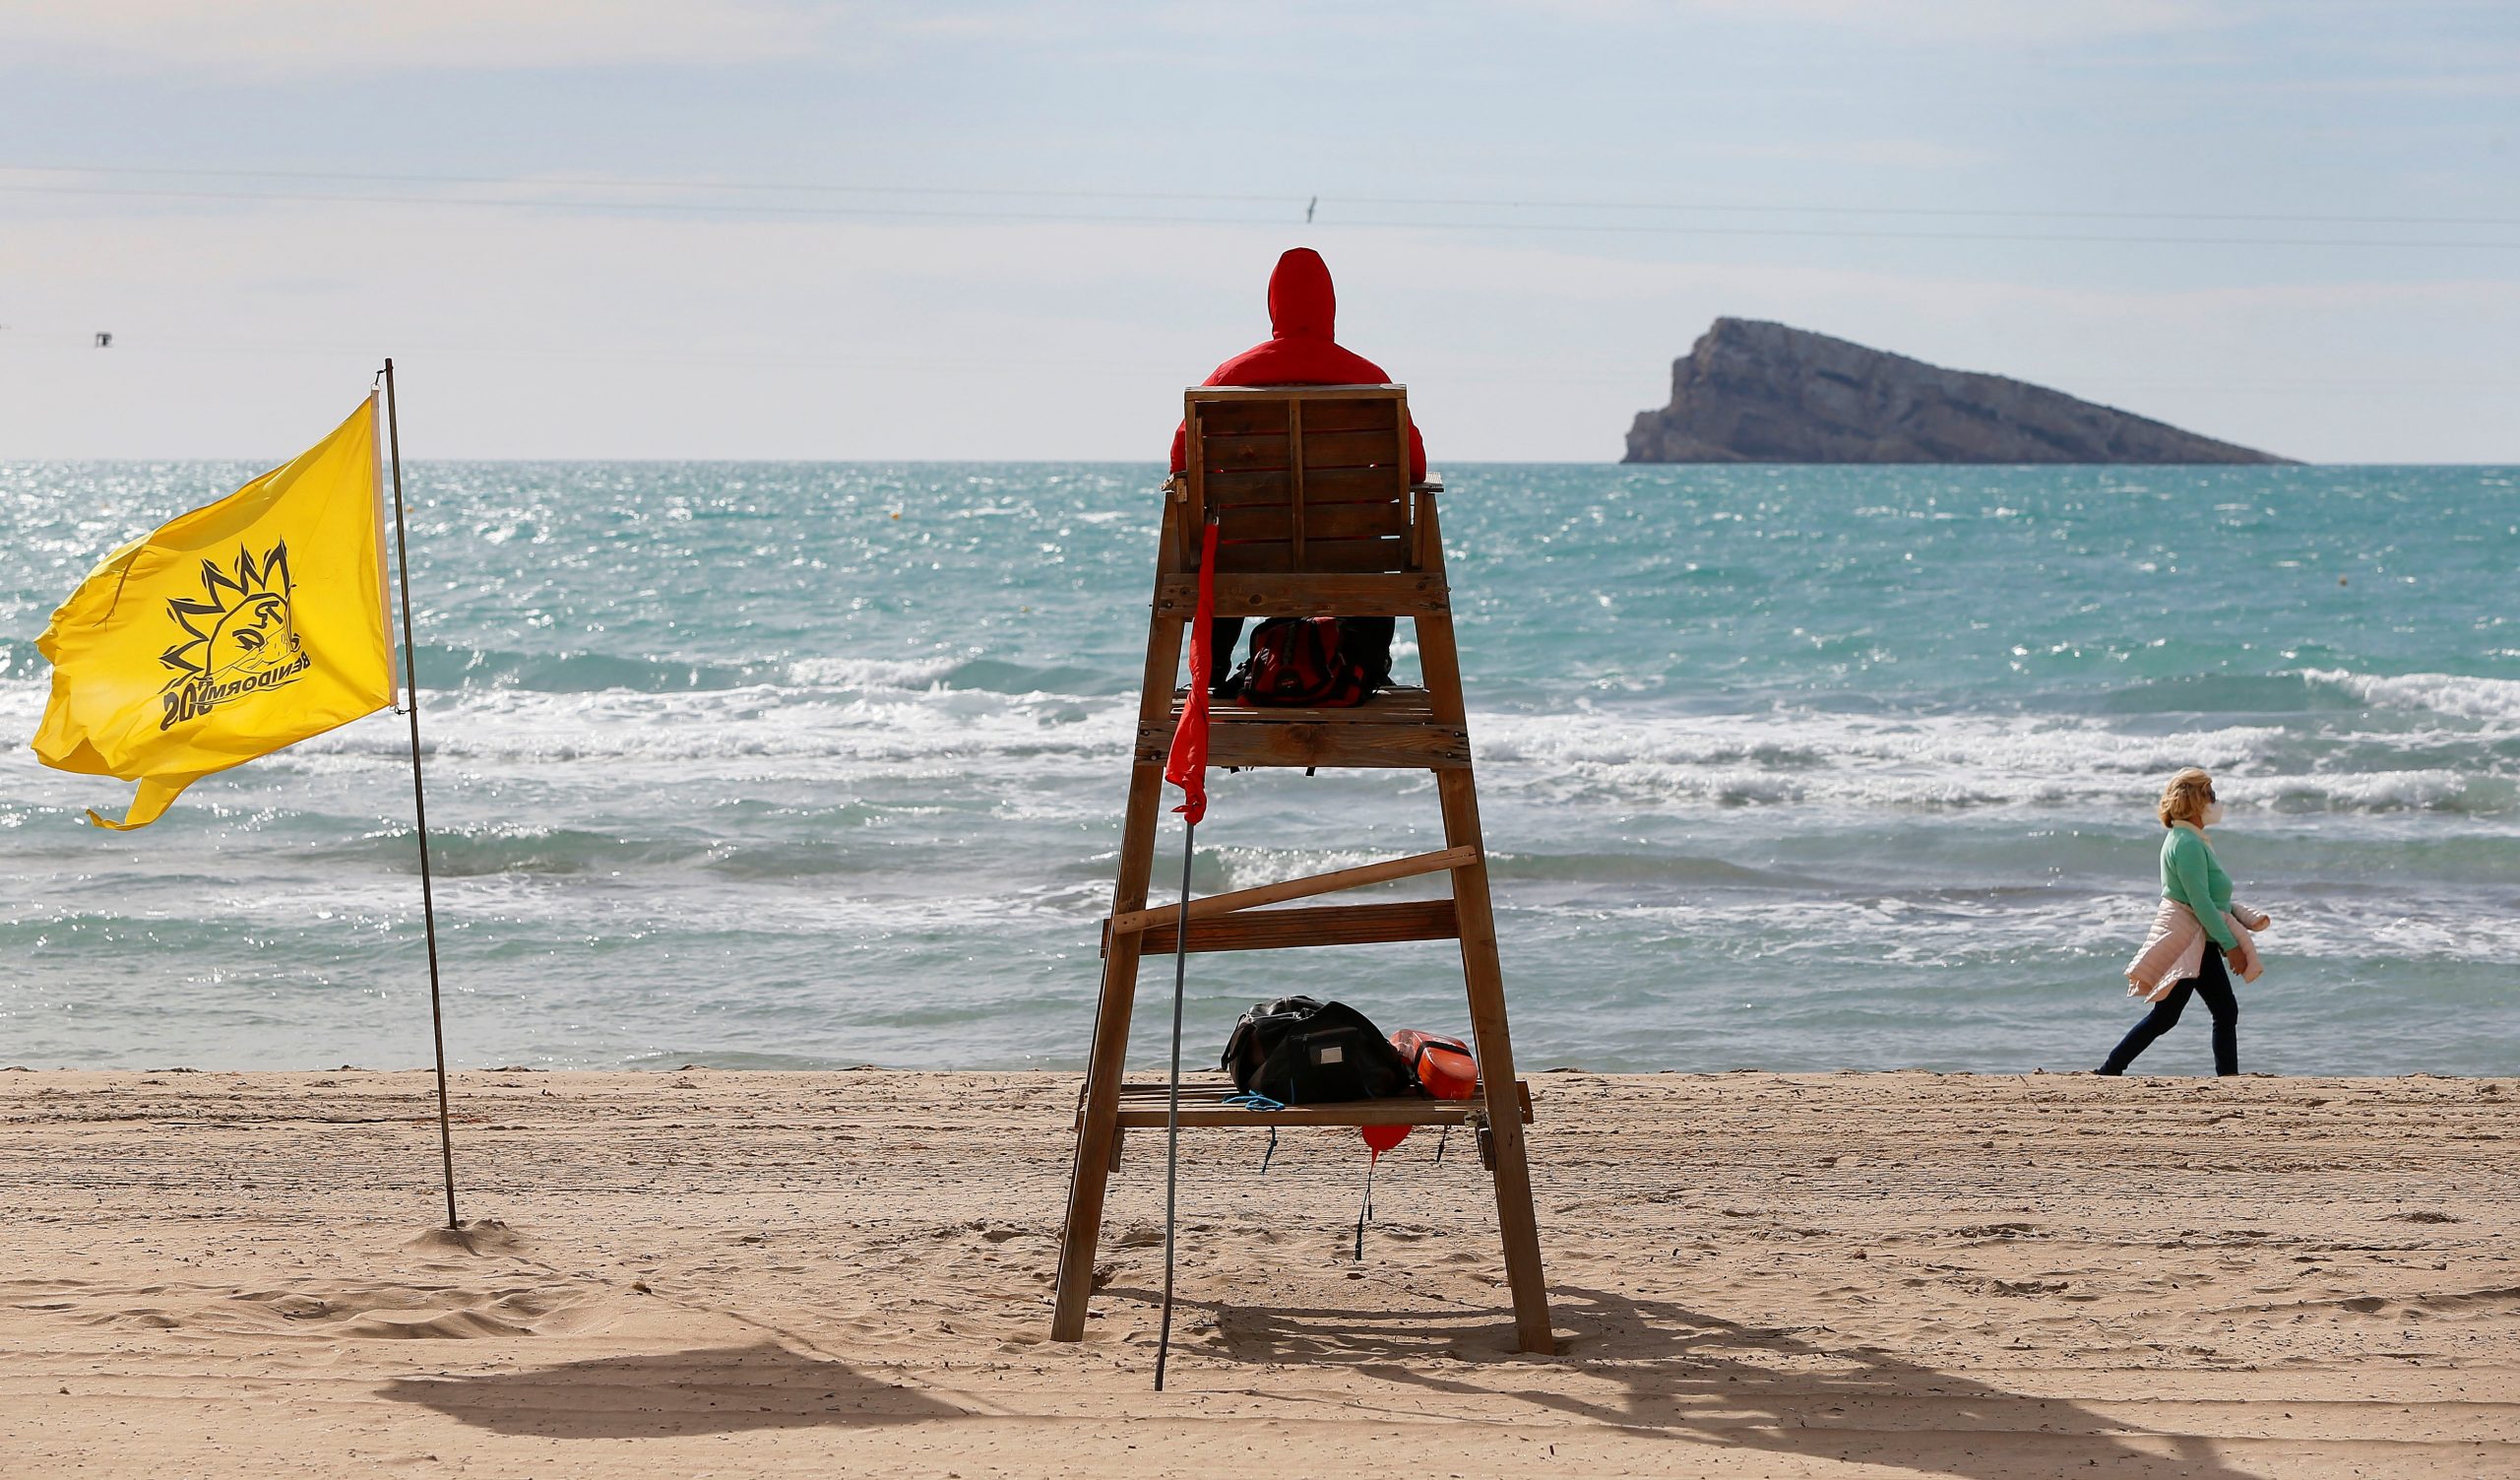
pixel 2458 695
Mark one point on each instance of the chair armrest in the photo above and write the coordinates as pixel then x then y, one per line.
pixel 1433 483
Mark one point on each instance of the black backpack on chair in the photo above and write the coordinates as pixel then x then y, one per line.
pixel 1299 1051
pixel 1304 662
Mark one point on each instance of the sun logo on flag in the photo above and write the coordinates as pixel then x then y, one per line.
pixel 240 638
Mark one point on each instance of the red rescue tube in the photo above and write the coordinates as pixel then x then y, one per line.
pixel 1444 1066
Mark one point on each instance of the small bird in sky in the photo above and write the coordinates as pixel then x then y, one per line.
pixel 1307 209
pixel 104 340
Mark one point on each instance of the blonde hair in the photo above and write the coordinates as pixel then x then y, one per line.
pixel 2186 798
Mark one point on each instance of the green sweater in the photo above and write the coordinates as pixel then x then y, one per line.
pixel 2192 875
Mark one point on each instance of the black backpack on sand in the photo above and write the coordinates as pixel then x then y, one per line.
pixel 1299 1051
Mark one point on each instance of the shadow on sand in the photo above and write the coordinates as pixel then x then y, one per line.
pixel 1664 1371
pixel 710 1390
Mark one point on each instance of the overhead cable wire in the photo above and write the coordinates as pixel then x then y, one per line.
pixel 1289 199
pixel 68 343
pixel 621 183
pixel 642 207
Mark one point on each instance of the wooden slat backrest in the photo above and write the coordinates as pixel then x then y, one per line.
pixel 1305 479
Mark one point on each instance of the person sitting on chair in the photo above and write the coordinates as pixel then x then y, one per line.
pixel 1300 351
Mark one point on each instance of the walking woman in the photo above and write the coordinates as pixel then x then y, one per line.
pixel 2199 937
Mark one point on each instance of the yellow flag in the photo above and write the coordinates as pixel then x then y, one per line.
pixel 231 631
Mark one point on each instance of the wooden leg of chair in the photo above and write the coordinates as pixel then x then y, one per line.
pixel 1096 1135
pixel 1515 1222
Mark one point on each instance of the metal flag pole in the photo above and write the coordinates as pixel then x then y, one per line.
pixel 419 798
pixel 1187 768
pixel 1172 1108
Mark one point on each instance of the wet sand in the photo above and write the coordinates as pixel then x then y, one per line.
pixel 1754 1275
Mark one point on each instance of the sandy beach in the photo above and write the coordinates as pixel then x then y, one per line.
pixel 839 1273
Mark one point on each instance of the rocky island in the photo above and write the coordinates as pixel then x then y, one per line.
pixel 1756 392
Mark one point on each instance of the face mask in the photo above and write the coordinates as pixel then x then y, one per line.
pixel 2213 814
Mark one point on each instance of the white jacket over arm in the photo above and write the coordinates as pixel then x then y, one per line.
pixel 2174 950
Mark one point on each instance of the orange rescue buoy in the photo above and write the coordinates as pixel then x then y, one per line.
pixel 1444 1066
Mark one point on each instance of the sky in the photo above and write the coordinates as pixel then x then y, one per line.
pixel 667 228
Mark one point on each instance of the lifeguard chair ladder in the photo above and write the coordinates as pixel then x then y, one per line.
pixel 1317 517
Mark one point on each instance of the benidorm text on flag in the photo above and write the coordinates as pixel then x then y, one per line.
pixel 239 628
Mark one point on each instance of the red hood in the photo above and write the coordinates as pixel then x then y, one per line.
pixel 1301 302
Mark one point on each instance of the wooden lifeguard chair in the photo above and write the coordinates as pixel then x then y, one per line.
pixel 1317 517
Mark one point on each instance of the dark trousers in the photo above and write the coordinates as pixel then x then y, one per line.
pixel 1367 638
pixel 2212 983
pixel 1223 633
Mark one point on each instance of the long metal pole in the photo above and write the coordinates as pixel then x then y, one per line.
pixel 1172 1107
pixel 420 799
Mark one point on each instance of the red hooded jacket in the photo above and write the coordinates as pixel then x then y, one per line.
pixel 1299 349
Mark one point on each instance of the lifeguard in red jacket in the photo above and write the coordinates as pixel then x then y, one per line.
pixel 1301 349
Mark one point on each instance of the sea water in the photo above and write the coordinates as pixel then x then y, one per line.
pixel 1786 769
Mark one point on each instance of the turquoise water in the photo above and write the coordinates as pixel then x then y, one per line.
pixel 1786 769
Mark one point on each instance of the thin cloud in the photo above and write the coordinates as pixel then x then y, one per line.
pixel 1873 154
pixel 301 37
pixel 1981 22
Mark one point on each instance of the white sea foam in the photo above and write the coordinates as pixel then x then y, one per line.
pixel 1949 761
pixel 1889 929
pixel 871 673
pixel 2458 694
pixel 1661 762
pixel 752 724
pixel 1961 934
